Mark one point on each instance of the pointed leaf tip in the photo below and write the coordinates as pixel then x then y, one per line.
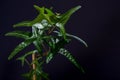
pixel 9 58
pixel 23 24
pixel 35 6
pixel 39 9
pixel 65 17
pixel 78 7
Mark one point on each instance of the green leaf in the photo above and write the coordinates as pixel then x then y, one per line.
pixel 39 72
pixel 65 17
pixel 39 9
pixel 49 12
pixel 51 17
pixel 20 47
pixel 30 52
pixel 49 57
pixel 38 47
pixel 42 15
pixel 22 58
pixel 73 36
pixel 63 32
pixel 36 20
pixel 45 75
pixel 29 75
pixel 65 53
pixel 23 24
pixel 20 34
pixel 47 17
pixel 62 29
pixel 54 50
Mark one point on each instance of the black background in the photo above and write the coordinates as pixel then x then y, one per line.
pixel 97 22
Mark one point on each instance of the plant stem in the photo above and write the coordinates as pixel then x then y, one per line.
pixel 27 62
pixel 50 31
pixel 33 66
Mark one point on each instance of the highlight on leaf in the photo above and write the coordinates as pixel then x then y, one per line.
pixel 69 56
pixel 20 47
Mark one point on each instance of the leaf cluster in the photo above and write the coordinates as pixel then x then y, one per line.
pixel 49 37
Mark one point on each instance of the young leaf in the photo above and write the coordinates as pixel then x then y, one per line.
pixel 20 47
pixel 65 53
pixel 39 9
pixel 20 34
pixel 62 29
pixel 47 17
pixel 65 17
pixel 40 16
pixel 23 24
pixel 49 12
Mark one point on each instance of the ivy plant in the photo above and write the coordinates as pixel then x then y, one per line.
pixel 49 37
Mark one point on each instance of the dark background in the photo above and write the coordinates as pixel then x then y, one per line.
pixel 97 22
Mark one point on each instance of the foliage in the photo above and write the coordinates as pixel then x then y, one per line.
pixel 49 37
